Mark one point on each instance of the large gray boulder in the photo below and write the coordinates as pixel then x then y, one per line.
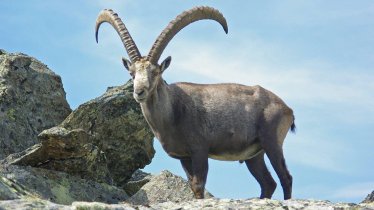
pixel 162 188
pixel 106 140
pixel 119 129
pixel 32 99
pixel 25 182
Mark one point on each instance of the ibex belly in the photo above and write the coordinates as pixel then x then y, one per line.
pixel 243 154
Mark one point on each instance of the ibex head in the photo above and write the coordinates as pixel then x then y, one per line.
pixel 145 70
pixel 146 76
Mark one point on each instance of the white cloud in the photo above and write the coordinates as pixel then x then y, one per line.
pixel 112 3
pixel 309 83
pixel 312 13
pixel 356 190
pixel 317 152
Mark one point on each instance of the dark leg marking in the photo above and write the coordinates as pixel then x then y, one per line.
pixel 199 173
pixel 187 167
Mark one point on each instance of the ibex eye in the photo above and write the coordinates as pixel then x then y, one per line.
pixel 132 75
pixel 154 73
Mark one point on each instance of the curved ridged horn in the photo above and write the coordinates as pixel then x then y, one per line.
pixel 181 21
pixel 107 15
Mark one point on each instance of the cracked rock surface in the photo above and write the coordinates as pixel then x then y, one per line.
pixel 118 129
pixel 106 140
pixel 32 99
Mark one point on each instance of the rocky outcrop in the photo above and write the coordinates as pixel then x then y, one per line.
pixel 137 181
pixel 32 204
pixel 105 139
pixel 33 188
pixel 119 129
pixel 9 190
pixel 369 198
pixel 64 150
pixel 162 188
pixel 211 204
pixel 207 204
pixel 21 182
pixel 32 99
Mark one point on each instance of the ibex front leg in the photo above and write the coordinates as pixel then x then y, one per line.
pixel 187 166
pixel 196 169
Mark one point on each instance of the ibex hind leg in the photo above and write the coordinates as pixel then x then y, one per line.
pixel 258 169
pixel 272 136
pixel 279 164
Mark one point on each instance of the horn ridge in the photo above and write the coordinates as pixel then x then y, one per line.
pixel 109 16
pixel 185 18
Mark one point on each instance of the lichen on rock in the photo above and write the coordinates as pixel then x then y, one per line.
pixel 119 130
pixel 57 187
pixel 32 99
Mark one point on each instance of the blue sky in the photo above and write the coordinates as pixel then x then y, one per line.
pixel 316 55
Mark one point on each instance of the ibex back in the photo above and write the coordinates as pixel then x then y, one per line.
pixel 195 122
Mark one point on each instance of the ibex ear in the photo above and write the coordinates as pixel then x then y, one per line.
pixel 126 63
pixel 165 64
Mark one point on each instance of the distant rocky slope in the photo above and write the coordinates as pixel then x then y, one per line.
pixel 32 99
pixel 369 198
pixel 90 158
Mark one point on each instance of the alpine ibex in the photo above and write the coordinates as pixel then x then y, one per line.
pixel 195 122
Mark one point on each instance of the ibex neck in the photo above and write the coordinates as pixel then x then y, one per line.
pixel 157 109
